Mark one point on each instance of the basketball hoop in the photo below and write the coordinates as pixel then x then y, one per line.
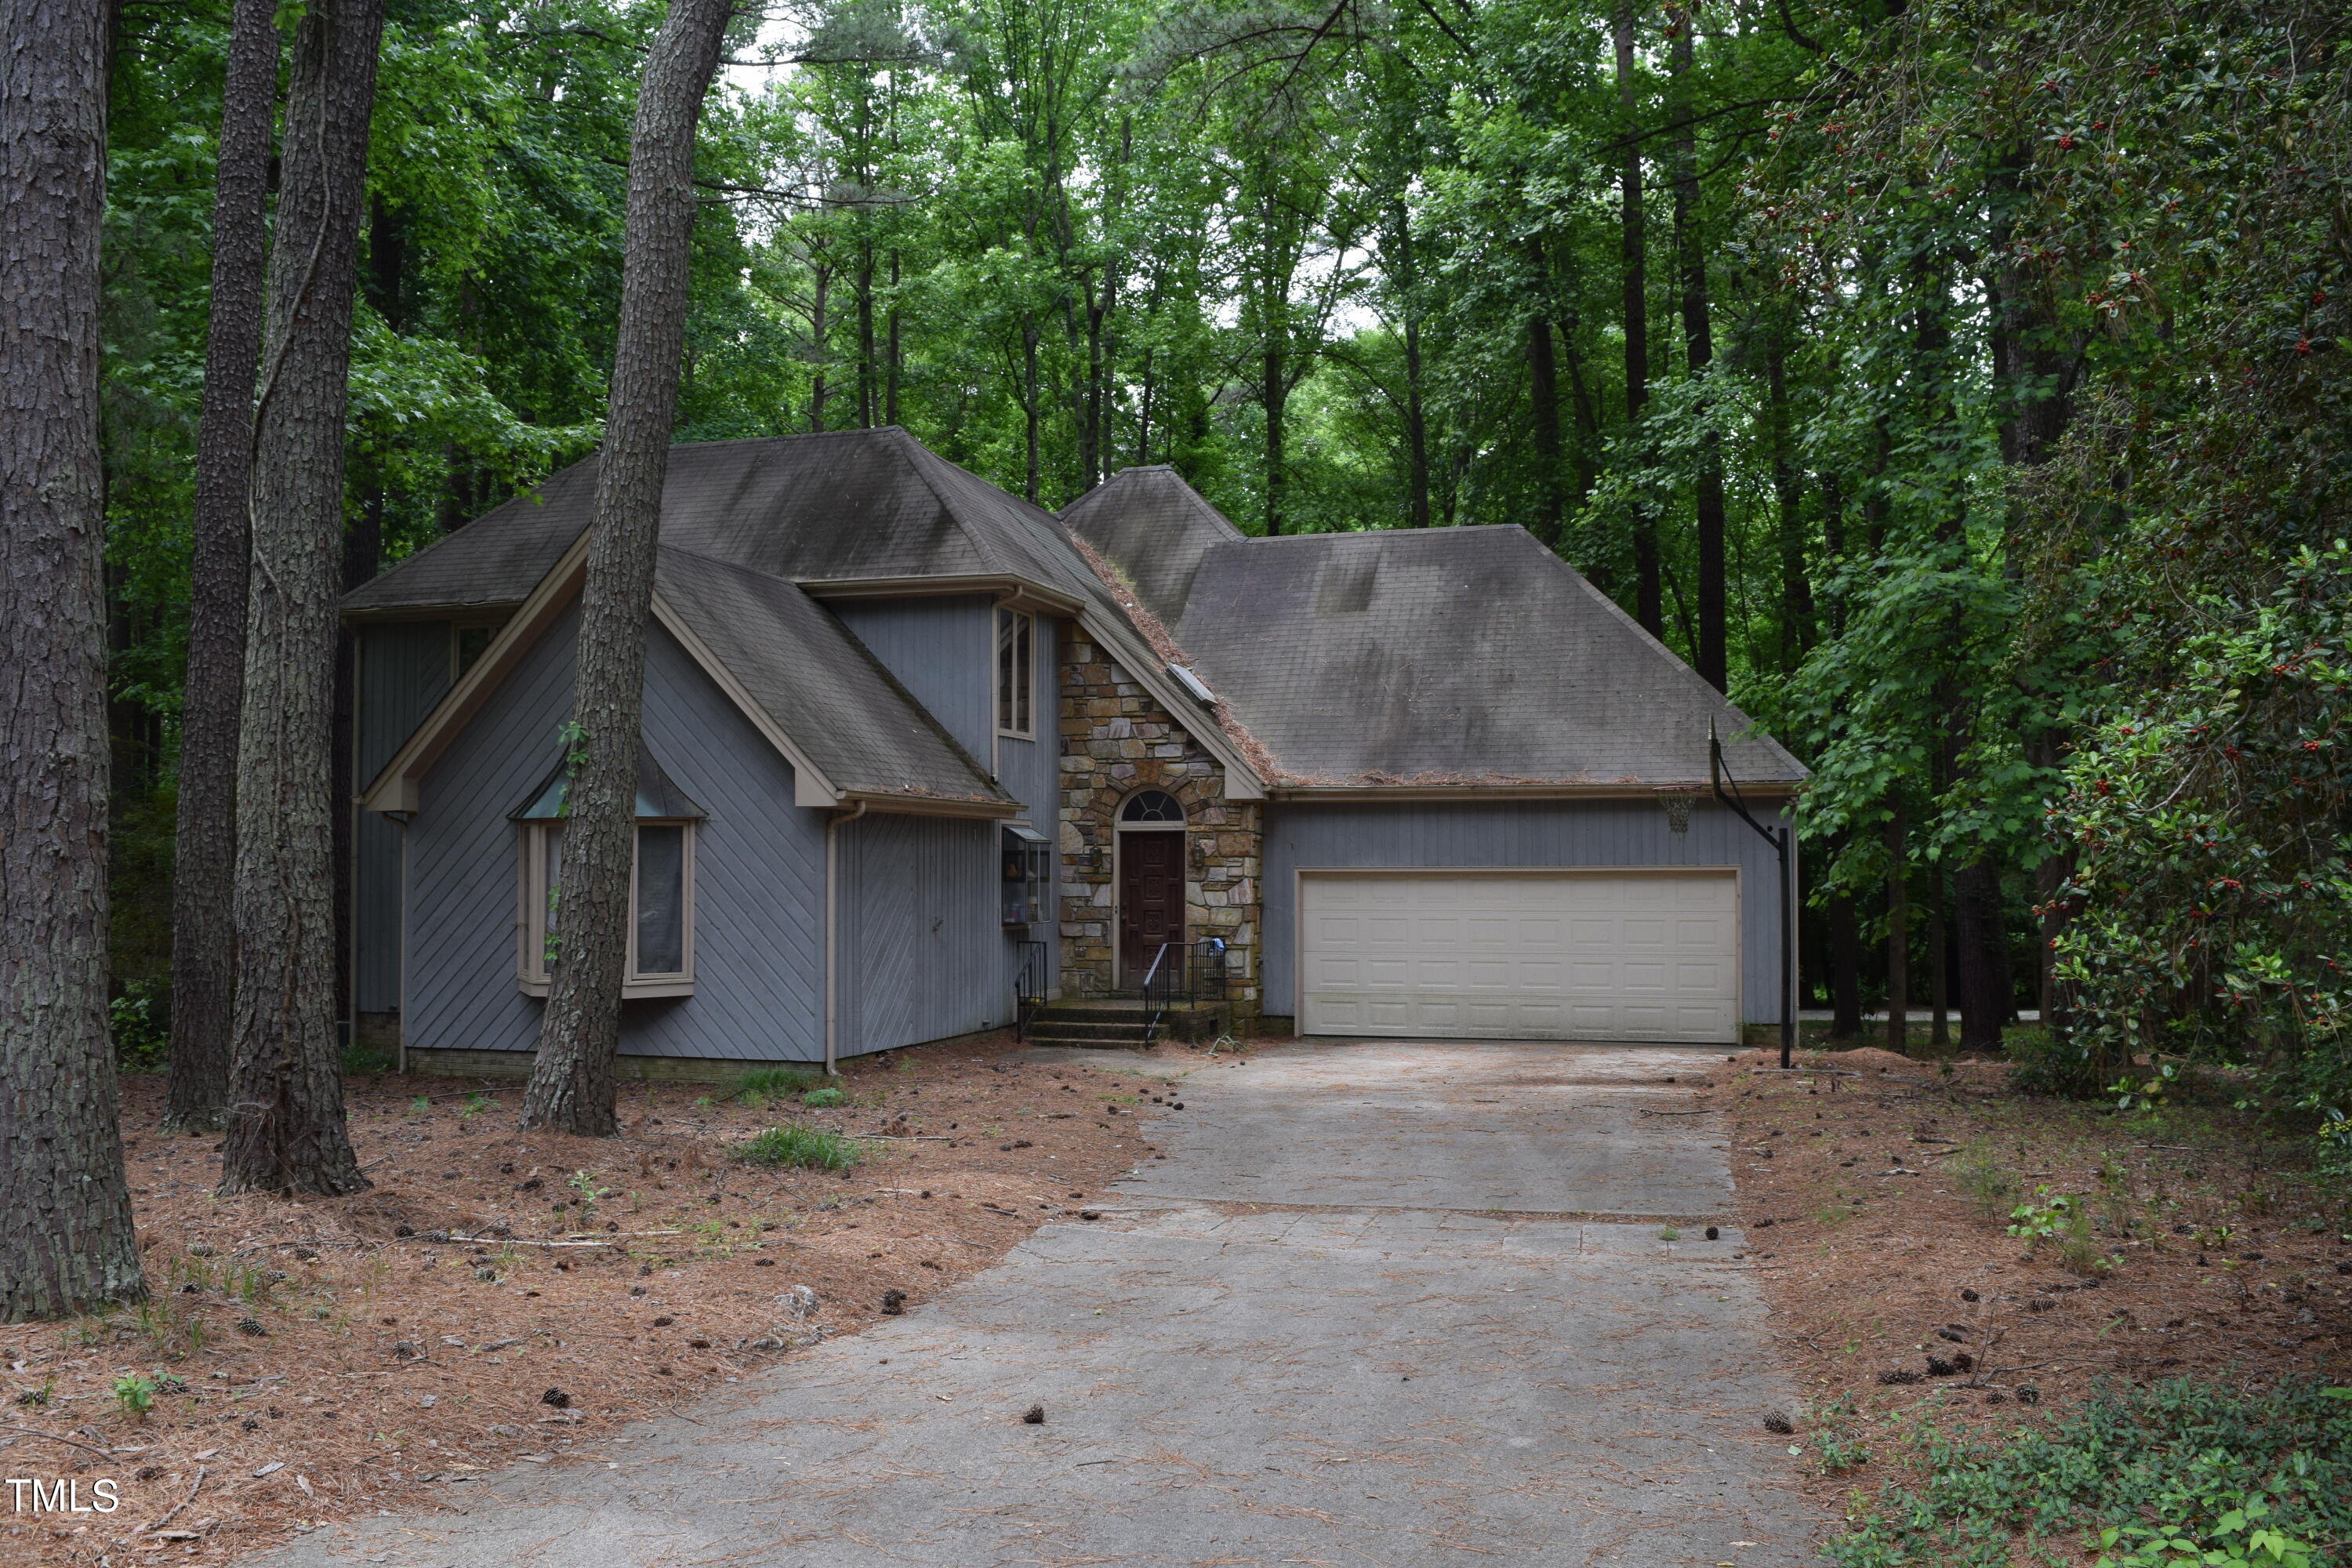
pixel 1678 804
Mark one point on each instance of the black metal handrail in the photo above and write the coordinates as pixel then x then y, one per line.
pixel 1028 988
pixel 1181 973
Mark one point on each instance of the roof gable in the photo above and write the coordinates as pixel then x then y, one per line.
pixel 813 682
pixel 1430 657
pixel 856 510
pixel 812 690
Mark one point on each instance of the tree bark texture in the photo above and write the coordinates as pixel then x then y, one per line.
pixel 286 1123
pixel 66 1240
pixel 579 1034
pixel 1698 351
pixel 204 871
pixel 1649 598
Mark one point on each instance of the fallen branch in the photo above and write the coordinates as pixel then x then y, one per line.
pixel 52 1436
pixel 169 1513
pixel 1708 1111
pixel 454 1239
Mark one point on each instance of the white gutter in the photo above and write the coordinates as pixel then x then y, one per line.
pixel 832 940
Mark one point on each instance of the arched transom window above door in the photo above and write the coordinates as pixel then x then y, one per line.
pixel 1151 808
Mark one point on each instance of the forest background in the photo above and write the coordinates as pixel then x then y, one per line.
pixel 1959 385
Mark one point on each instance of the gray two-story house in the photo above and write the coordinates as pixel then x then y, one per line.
pixel 910 739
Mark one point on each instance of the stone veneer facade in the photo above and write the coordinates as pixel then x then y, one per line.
pixel 1116 740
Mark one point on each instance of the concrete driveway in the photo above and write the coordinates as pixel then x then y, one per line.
pixel 1382 1304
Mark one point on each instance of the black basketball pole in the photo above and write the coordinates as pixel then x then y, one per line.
pixel 1778 837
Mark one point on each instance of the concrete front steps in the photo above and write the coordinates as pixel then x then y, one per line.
pixel 1116 1023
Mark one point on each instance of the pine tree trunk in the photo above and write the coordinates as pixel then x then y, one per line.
pixel 1276 400
pixel 66 1239
pixel 1845 971
pixel 1985 999
pixel 866 379
pixel 1416 427
pixel 204 860
pixel 1899 940
pixel 1788 487
pixel 1649 598
pixel 890 366
pixel 1698 351
pixel 286 1125
pixel 1939 994
pixel 572 1081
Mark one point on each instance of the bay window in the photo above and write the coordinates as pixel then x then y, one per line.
pixel 661 887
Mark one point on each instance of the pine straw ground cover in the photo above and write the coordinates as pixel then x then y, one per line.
pixel 314 1358
pixel 2152 1357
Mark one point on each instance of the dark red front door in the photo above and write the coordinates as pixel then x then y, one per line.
pixel 1150 899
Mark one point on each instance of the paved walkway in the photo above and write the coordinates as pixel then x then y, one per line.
pixel 1381 1305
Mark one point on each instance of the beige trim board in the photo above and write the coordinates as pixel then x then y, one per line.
pixel 1779 790
pixel 809 786
pixel 394 788
pixel 1242 780
pixel 473 613
pixel 1013 592
pixel 930 806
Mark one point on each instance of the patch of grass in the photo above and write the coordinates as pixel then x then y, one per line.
pixel 762 1085
pixel 171 1331
pixel 2130 1474
pixel 1985 1177
pixel 812 1147
pixel 823 1099
pixel 368 1061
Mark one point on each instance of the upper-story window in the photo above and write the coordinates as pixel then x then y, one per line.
pixel 1016 632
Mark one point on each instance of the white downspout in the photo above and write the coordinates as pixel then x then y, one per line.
pixel 832 937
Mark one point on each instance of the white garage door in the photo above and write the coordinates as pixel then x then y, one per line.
pixel 1515 955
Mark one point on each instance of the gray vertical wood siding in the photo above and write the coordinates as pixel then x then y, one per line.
pixel 759 882
pixel 943 651
pixel 922 955
pixel 1031 772
pixel 1525 832
pixel 403 670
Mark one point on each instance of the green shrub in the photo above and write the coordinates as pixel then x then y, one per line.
pixel 140 1021
pixel 2181 1461
pixel 809 1146
pixel 135 1395
pixel 763 1084
pixel 823 1099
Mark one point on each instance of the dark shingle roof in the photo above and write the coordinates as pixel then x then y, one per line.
pixel 817 683
pixel 1157 529
pixel 849 505
pixel 1425 656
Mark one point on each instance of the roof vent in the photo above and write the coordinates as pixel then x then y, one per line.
pixel 1191 683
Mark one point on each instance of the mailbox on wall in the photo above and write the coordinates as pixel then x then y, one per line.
pixel 1028 874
